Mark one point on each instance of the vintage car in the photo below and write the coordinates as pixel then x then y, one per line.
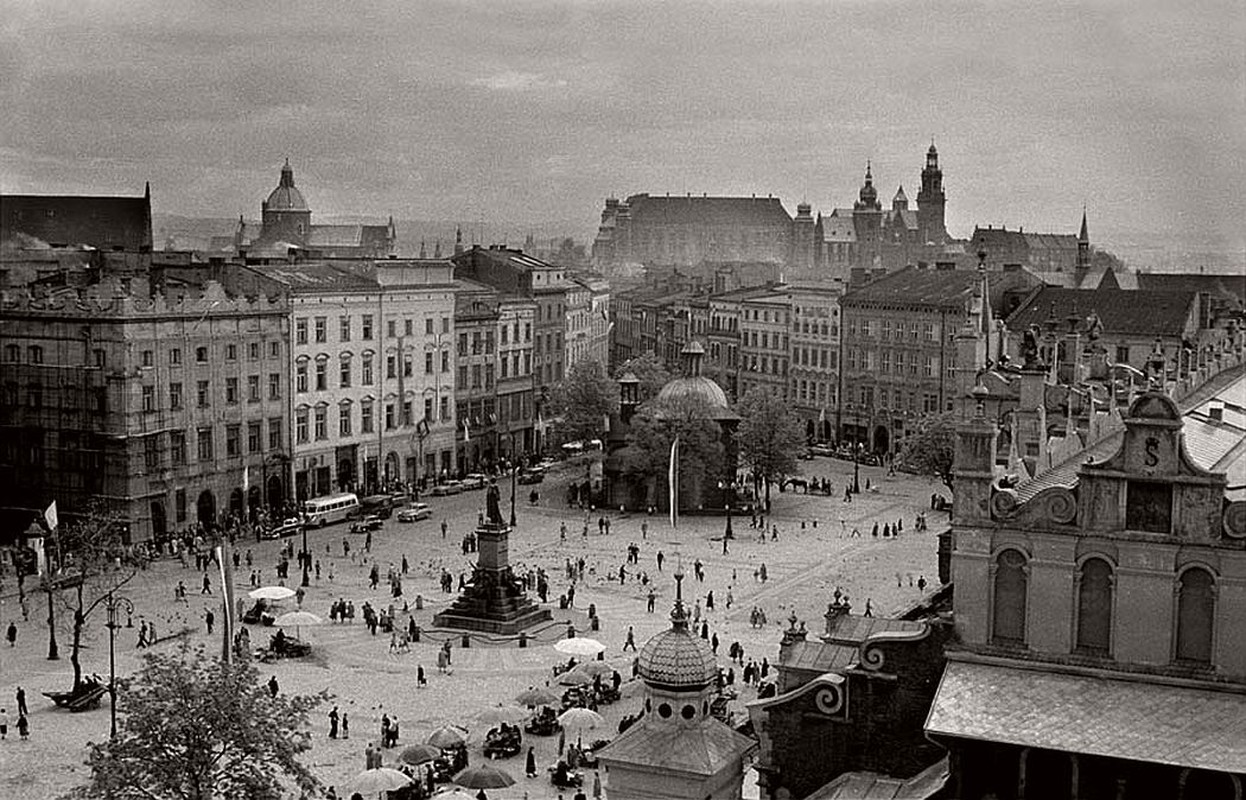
pixel 447 488
pixel 531 476
pixel 369 523
pixel 474 481
pixel 414 512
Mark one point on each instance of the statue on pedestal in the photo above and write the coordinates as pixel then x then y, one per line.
pixel 493 508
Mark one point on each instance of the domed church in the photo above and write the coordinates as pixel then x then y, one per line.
pixel 677 749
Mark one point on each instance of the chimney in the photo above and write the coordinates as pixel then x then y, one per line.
pixel 1216 412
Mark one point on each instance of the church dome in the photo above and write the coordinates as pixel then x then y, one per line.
pixel 286 197
pixel 693 383
pixel 677 659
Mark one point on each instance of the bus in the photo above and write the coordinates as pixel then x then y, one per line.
pixel 321 511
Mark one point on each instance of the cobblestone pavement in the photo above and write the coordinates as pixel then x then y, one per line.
pixel 803 566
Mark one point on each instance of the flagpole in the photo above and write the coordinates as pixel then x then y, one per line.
pixel 672 480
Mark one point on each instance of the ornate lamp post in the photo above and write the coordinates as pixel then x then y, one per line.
pixel 112 604
pixel 728 489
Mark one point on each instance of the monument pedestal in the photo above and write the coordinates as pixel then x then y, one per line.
pixel 494 600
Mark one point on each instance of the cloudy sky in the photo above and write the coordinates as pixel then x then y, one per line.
pixel 524 112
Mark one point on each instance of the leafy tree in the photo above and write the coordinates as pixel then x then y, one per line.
pixel 930 449
pixel 651 373
pixel 584 399
pixel 769 436
pixel 198 728
pixel 95 564
pixel 701 454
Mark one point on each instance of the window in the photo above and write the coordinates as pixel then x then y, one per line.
pixel 406 413
pixel 344 376
pixel 928 366
pixel 366 378
pixel 428 409
pixel 101 358
pixel 475 376
pixel 1011 577
pixel 462 343
pixel 12 353
pixel 407 367
pixel 1094 607
pixel 233 441
pixel 445 362
pixel 231 391
pixel 1196 606
pixel 36 354
pixel 504 363
pixel 389 416
pixel 253 437
pixel 274 385
pixel 231 352
pixel 149 398
pixel 205 444
pixel 391 366
pixel 322 330
pixel 488 376
pixel 344 329
pixel 322 425
pixel 253 351
pixel 253 388
pixel 445 324
pixel 322 375
pixel 274 433
pixel 175 356
pixel 148 358
pixel 177 448
pixel 367 328
pixel 409 327
pixel 1148 506
pixel 428 363
pixel 300 330
pixel 462 382
pixel 202 396
pixel 505 332
pixel 391 328
pixel 274 349
pixel 343 420
pixel 179 503
pixel 527 332
pixel 175 396
pixel 300 426
pixel 365 417
pixel 428 325
pixel 445 409
pixel 201 355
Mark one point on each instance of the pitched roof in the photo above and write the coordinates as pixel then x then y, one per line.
pixel 700 750
pixel 335 236
pixel 105 223
pixel 941 288
pixel 688 210
pixel 1099 715
pixel 312 277
pixel 874 786
pixel 1218 286
pixel 1139 313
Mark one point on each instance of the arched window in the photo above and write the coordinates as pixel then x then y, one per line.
pixel 1008 625
pixel 1196 605
pixel 1094 607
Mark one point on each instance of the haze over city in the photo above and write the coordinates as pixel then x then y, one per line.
pixel 534 112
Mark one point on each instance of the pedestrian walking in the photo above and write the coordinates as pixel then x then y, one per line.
pixel 334 717
pixel 272 685
pixel 208 619
pixel 530 764
pixel 207 585
pixel 21 701
pixel 4 724
pixel 420 680
pixel 345 726
pixel 23 727
pixel 11 634
pixel 631 639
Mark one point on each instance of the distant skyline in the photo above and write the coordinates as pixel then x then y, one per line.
pixel 525 113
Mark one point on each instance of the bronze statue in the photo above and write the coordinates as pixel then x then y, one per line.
pixel 493 504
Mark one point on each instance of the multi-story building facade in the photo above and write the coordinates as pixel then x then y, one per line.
pixel 597 327
pixel 814 382
pixel 476 326
pixel 765 343
pixel 514 272
pixel 579 322
pixel 516 410
pixel 169 407
pixel 723 363
pixel 1099 612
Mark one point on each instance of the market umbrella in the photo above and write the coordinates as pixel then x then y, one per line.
pixel 484 776
pixel 271 593
pixel 297 619
pixel 418 754
pixel 575 677
pixel 595 668
pixel 580 719
pixel 381 779
pixel 536 697
pixel 447 736
pixel 498 714
pixel 579 646
pixel 454 794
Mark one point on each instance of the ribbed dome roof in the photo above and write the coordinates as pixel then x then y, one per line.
pixel 693 383
pixel 677 659
pixel 286 197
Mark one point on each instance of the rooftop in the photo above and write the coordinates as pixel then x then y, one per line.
pixel 649 209
pixel 1121 312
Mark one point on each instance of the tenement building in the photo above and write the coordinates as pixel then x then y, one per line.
pixel 1100 614
pixel 168 407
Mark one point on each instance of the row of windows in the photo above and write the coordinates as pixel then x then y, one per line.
pixel 203 392
pixel 230 351
pixel 889 330
pixel 887 362
pixel 1095 585
pixel 35 355
pixel 765 340
pixel 313 422
pixel 820 392
pixel 884 399
pixel 239 438
pixel 815 357
pixel 766 364
pixel 63 398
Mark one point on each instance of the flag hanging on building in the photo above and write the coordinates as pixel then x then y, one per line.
pixel 672 478
pixel 50 516
pixel 246 480
pixel 467 431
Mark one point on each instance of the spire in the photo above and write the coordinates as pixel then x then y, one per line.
pixel 458 239
pixel 147 190
pixel 437 249
pixel 679 614
pixel 423 250
pixel 1084 236
pixel 287 174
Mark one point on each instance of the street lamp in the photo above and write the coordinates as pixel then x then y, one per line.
pixel 514 474
pixel 305 557
pixel 856 468
pixel 113 603
pixel 728 490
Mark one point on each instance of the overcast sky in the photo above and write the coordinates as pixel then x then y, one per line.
pixel 525 112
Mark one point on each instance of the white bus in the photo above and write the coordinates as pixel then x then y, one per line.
pixel 321 511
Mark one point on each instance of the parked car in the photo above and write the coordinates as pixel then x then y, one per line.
pixel 380 505
pixel 447 488
pixel 291 527
pixel 369 523
pixel 474 481
pixel 822 450
pixel 530 476
pixel 415 512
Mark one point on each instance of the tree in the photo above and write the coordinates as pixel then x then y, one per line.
pixel 584 399
pixel 651 373
pixel 769 436
pixel 199 728
pixel 930 449
pixel 95 565
pixel 701 454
